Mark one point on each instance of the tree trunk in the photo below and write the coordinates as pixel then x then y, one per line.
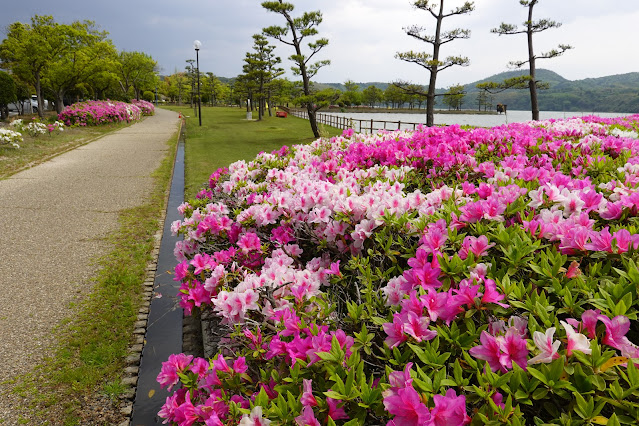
pixel 59 101
pixel 430 97
pixel 312 118
pixel 532 84
pixel 38 89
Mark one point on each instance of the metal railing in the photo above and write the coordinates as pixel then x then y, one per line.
pixel 359 125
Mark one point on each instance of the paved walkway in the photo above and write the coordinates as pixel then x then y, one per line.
pixel 53 218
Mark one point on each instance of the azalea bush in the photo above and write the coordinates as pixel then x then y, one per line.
pixel 93 113
pixel 35 127
pixel 10 137
pixel 443 276
pixel 146 107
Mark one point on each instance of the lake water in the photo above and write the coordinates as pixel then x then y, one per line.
pixel 480 120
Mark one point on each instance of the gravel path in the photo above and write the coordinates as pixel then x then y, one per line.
pixel 53 218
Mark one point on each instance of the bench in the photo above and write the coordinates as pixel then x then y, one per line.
pixel 282 114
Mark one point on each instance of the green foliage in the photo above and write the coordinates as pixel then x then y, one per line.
pixel 7 89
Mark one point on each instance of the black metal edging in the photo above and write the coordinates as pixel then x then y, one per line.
pixel 164 328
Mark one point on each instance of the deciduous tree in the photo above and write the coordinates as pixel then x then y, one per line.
pixel 7 93
pixel 454 97
pixel 372 95
pixel 432 61
pixel 90 52
pixel 137 71
pixel 29 49
pixel 293 34
pixel 530 28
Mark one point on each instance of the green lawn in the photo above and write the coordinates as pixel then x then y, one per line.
pixel 226 136
pixel 35 150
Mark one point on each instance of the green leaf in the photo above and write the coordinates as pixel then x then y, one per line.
pixel 335 395
pixel 538 375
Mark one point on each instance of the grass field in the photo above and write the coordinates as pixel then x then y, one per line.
pixel 226 136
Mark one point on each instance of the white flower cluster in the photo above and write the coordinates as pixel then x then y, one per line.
pixel 624 133
pixel 36 128
pixel 9 137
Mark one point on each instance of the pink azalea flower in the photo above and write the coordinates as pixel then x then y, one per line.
pixel 615 337
pixel 239 365
pixel 547 345
pixel 450 410
pixel 307 398
pixel 489 351
pixel 492 295
pixel 200 367
pixel 573 270
pixel 307 418
pixel 417 327
pixel 514 349
pixel 220 364
pixel 249 242
pixel 334 411
pixel 576 341
pixel 176 363
pixel 435 303
pixel 401 379
pixel 407 407
pixel 589 321
pixel 477 246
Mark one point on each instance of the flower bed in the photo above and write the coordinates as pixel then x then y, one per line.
pixel 35 127
pixel 10 137
pixel 94 113
pixel 437 277
pixel 147 107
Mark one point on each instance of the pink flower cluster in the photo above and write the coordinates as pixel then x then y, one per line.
pixel 269 238
pixel 94 113
pixel 220 384
pixel 146 107
pixel 404 402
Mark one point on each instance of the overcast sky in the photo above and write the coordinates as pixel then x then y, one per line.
pixel 364 35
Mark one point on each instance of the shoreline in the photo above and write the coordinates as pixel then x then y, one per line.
pixel 404 111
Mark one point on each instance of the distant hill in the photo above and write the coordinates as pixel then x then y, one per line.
pixel 615 93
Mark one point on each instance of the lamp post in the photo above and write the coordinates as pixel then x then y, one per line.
pixel 197 44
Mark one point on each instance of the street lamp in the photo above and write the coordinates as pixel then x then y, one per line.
pixel 197 44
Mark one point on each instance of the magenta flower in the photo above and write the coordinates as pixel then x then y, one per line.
pixel 589 321
pixel 249 242
pixel 168 376
pixel 307 398
pixel 514 349
pixel 615 337
pixel 417 327
pixel 489 351
pixel 407 407
pixel 477 246
pixel 395 332
pixel 450 410
pixel 307 418
pixel 492 295
pixel 335 412
pixel 239 365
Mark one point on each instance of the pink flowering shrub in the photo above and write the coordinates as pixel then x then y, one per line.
pixel 437 277
pixel 146 107
pixel 95 113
